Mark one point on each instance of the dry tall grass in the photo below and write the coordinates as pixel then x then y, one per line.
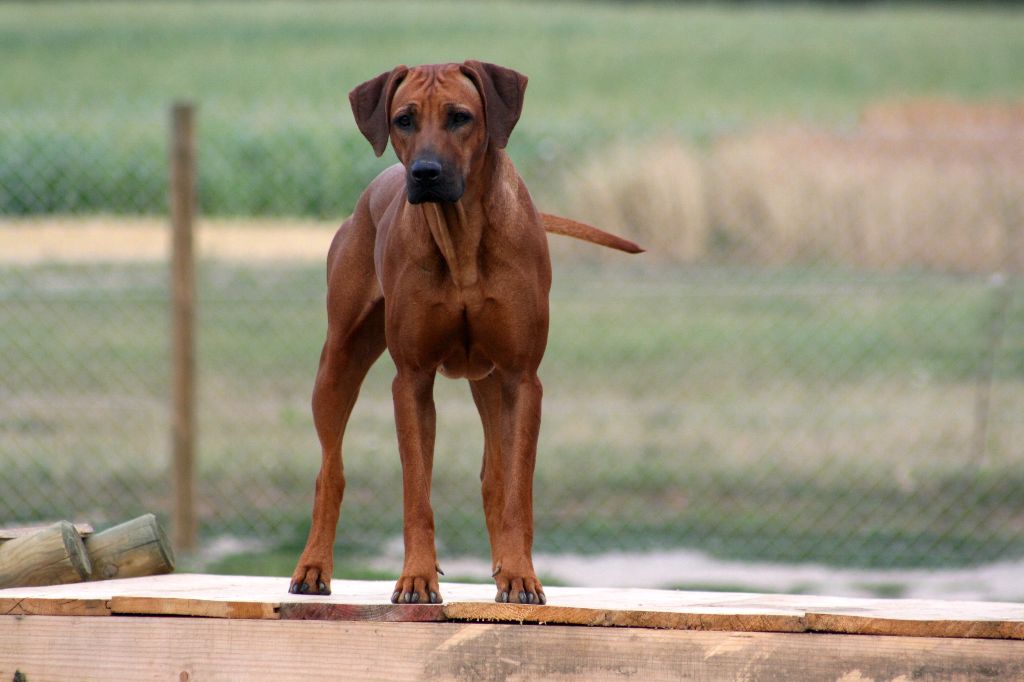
pixel 653 192
pixel 935 185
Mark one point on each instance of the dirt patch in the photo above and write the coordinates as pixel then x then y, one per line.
pixel 128 239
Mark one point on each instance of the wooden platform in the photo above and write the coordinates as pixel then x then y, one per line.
pixel 230 627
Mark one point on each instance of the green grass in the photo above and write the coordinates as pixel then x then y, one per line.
pixel 86 88
pixel 755 414
pixel 612 65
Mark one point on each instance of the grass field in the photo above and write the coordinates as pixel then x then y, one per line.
pixel 86 86
pixel 613 66
pixel 785 415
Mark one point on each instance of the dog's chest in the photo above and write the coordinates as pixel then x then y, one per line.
pixel 463 329
pixel 463 301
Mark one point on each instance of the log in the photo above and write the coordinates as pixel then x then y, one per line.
pixel 130 550
pixel 51 556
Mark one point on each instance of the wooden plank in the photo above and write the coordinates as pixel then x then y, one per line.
pixel 381 613
pixel 919 618
pixel 638 608
pixel 132 648
pixel 206 608
pixel 11 532
pixel 77 599
pixel 29 606
pixel 213 596
pixel 268 598
pixel 263 597
pixel 903 617
pixel 242 597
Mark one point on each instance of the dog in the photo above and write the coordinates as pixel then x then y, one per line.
pixel 444 262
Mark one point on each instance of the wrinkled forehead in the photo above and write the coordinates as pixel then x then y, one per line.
pixel 436 86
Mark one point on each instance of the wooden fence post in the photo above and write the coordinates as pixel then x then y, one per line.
pixel 183 407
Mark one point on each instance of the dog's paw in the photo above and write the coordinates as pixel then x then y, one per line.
pixel 417 589
pixel 310 579
pixel 518 586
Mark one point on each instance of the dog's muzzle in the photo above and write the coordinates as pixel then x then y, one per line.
pixel 428 179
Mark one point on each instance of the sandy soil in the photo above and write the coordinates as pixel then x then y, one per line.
pixel 119 239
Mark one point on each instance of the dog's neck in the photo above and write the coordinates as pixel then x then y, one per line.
pixel 455 239
pixel 457 227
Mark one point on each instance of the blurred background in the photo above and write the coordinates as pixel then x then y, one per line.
pixel 813 381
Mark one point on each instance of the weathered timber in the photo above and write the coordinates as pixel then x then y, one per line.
pixel 381 613
pixel 50 556
pixel 132 549
pixel 133 648
pixel 79 599
pixel 10 532
pixel 232 597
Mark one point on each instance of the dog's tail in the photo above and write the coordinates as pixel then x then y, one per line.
pixel 588 233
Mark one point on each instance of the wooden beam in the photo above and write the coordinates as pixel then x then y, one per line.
pixel 49 556
pixel 132 648
pixel 183 385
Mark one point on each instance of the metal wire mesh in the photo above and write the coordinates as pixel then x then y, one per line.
pixel 821 358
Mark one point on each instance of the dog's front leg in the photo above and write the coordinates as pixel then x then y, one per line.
pixel 513 550
pixel 415 419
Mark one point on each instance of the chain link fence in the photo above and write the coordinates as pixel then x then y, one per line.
pixel 821 358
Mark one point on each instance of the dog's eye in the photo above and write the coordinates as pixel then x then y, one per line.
pixel 404 121
pixel 459 118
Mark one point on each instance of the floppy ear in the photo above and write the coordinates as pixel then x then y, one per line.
pixel 502 91
pixel 371 103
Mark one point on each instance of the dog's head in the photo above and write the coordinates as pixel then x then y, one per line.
pixel 441 120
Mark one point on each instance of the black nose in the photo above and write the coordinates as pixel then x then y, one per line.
pixel 425 170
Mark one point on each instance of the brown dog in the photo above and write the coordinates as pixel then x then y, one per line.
pixel 445 263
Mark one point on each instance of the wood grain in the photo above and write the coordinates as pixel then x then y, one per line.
pixel 11 532
pixel 682 617
pixel 233 597
pixel 133 648
pixel 382 613
pixel 78 599
pixel 135 548
pixel 49 556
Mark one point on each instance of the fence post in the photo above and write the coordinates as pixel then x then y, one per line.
pixel 183 392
